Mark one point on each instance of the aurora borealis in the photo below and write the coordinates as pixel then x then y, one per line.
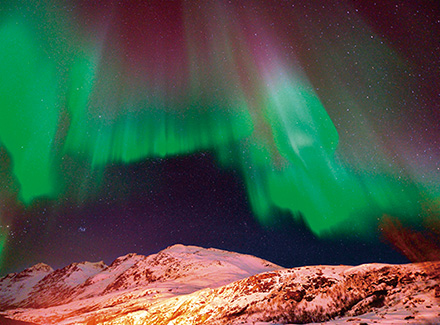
pixel 324 112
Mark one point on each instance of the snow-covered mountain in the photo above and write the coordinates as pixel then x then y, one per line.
pixel 16 287
pixel 193 285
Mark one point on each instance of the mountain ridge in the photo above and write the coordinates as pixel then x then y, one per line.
pixel 54 287
pixel 195 285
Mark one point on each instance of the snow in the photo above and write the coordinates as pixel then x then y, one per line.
pixel 192 285
pixel 15 288
pixel 82 272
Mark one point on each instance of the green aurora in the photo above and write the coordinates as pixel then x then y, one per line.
pixel 65 93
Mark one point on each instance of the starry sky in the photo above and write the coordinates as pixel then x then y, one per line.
pixel 282 129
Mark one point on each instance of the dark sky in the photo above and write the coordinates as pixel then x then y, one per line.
pixel 192 202
pixel 76 195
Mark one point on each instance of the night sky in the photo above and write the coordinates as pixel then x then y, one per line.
pixel 282 129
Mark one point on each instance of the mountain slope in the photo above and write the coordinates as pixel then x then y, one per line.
pixel 178 269
pixel 193 285
pixel 384 293
pixel 16 287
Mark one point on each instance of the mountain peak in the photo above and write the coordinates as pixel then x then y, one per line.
pixel 92 265
pixel 39 267
pixel 15 287
pixel 208 285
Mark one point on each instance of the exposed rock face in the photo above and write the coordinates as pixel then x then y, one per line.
pixel 302 295
pixel 192 285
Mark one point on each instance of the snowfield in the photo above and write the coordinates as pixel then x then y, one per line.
pixel 194 285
